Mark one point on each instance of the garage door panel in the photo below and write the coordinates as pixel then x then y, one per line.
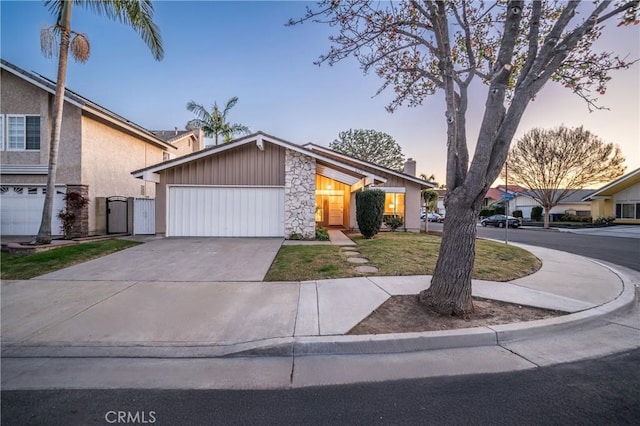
pixel 21 210
pixel 225 211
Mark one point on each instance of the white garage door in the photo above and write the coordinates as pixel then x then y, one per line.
pixel 203 211
pixel 21 209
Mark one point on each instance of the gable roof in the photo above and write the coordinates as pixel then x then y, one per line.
pixel 85 104
pixel 171 136
pixel 576 196
pixel 258 138
pixel 617 185
pixel 353 160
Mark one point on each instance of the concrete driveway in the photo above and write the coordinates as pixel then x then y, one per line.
pixel 180 259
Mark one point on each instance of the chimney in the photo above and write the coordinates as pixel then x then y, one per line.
pixel 410 167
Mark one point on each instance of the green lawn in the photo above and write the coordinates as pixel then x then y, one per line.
pixel 398 253
pixel 14 267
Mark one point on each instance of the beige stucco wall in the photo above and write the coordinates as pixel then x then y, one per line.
pixel 108 157
pixel 21 97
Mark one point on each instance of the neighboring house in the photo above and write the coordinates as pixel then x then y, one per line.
pixel 98 150
pixel 494 195
pixel 573 204
pixel 440 209
pixel 260 185
pixel 620 199
pixel 186 141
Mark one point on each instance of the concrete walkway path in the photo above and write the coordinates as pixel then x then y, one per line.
pixel 80 333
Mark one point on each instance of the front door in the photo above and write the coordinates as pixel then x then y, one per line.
pixel 336 209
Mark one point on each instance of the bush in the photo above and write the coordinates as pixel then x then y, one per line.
pixel 498 210
pixel 369 211
pixel 322 234
pixel 74 204
pixel 486 212
pixel 601 220
pixel 517 213
pixel 393 222
pixel 575 218
pixel 536 213
pixel 296 236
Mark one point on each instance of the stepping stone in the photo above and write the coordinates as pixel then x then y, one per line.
pixel 366 269
pixel 351 253
pixel 357 260
pixel 343 249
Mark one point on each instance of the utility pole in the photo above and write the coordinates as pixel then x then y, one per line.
pixel 506 201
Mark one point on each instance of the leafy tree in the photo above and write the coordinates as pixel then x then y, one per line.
pixel 135 14
pixel 371 146
pixel 514 47
pixel 430 198
pixel 555 163
pixel 214 124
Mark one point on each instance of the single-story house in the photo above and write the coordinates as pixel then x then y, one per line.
pixel 620 199
pixel 98 149
pixel 494 195
pixel 573 204
pixel 261 185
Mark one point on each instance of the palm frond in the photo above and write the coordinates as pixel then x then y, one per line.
pixel 199 111
pixel 230 104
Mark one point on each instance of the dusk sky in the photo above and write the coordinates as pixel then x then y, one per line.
pixel 216 50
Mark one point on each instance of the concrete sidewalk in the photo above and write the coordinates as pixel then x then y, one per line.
pixel 75 333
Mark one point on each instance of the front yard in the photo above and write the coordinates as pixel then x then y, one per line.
pixel 397 253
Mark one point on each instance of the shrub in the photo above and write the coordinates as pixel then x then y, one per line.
pixel 601 220
pixel 536 213
pixel 486 212
pixel 575 218
pixel 296 236
pixel 74 204
pixel 517 213
pixel 498 210
pixel 393 222
pixel 369 211
pixel 322 234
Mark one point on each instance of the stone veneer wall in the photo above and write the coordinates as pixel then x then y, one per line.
pixel 299 195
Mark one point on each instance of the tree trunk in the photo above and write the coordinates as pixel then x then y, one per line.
pixel 450 290
pixel 547 220
pixel 44 233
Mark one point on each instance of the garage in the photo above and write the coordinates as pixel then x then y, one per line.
pixel 225 211
pixel 21 209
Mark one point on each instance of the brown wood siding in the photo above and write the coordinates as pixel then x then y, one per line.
pixel 242 166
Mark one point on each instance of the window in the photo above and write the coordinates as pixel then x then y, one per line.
pixel 394 204
pixel 628 211
pixel 23 132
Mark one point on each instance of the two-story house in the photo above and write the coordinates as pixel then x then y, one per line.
pixel 98 150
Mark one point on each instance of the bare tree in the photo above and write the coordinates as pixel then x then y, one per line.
pixel 514 47
pixel 370 145
pixel 557 162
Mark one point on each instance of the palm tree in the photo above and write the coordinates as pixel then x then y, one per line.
pixel 136 14
pixel 215 124
pixel 431 178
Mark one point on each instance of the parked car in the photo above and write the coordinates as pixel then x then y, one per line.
pixel 431 216
pixel 498 220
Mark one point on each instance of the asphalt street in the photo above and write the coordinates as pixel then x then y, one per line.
pixel 603 391
pixel 620 251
